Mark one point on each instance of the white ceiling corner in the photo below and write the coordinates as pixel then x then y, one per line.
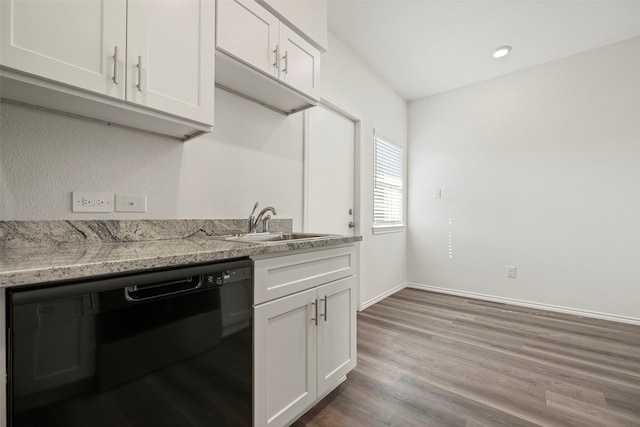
pixel 424 47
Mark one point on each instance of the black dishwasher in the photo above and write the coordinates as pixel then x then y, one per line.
pixel 164 348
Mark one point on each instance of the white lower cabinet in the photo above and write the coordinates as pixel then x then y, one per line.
pixel 336 332
pixel 285 358
pixel 304 345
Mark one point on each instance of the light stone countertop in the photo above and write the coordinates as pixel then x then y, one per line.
pixel 44 264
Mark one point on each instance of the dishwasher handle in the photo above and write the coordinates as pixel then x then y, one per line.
pixel 49 291
pixel 138 293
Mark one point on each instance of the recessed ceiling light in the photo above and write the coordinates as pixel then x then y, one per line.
pixel 501 51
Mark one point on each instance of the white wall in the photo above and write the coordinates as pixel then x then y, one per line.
pixel 350 83
pixel 539 169
pixel 254 154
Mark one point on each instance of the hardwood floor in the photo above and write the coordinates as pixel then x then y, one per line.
pixel 428 359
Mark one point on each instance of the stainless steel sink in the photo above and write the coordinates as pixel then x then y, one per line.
pixel 276 237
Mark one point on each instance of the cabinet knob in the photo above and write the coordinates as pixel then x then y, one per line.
pixel 352 224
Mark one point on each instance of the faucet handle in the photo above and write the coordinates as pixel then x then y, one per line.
pixel 254 209
pixel 252 219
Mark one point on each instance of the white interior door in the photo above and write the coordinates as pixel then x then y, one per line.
pixel 330 172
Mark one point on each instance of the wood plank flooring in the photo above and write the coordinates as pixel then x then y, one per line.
pixel 428 359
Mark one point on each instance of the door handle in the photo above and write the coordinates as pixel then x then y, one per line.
pixel 277 53
pixel 286 62
pixel 315 306
pixel 115 65
pixel 139 67
pixel 326 300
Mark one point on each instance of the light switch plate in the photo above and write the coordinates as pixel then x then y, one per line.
pixel 129 203
pixel 84 201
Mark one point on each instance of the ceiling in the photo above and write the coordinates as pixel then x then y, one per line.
pixel 425 47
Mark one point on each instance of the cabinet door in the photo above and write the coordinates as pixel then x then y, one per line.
pixel 170 51
pixel 336 332
pixel 284 358
pixel 77 43
pixel 308 16
pixel 299 63
pixel 248 32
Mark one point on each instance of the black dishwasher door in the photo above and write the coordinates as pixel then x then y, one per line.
pixel 138 350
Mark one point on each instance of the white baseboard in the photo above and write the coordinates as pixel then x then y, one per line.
pixel 540 306
pixel 382 296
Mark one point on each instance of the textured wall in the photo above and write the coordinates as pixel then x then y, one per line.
pixel 254 154
pixel 538 169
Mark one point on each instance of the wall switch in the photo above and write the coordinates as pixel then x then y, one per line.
pixel 511 271
pixel 127 203
pixel 82 201
pixel 437 194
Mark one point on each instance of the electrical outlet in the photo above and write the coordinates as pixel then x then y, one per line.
pixel 126 203
pixel 82 201
pixel 511 271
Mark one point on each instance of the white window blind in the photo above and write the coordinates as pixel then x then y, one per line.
pixel 388 188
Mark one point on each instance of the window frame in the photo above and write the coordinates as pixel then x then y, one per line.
pixel 395 227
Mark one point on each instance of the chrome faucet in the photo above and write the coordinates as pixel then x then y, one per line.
pixel 254 221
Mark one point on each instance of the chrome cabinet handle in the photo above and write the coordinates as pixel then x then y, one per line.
pixel 352 224
pixel 116 80
pixel 139 67
pixel 286 62
pixel 326 301
pixel 277 55
pixel 315 306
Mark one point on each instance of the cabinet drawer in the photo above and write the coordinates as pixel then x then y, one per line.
pixel 284 275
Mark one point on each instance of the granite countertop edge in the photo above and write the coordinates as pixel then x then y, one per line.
pixel 27 266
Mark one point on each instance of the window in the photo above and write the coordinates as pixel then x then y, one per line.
pixel 388 187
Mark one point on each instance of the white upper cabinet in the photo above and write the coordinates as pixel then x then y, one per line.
pixel 299 63
pixel 151 61
pixel 170 54
pixel 80 44
pixel 248 34
pixel 309 17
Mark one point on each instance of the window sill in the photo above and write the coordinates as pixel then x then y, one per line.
pixel 382 229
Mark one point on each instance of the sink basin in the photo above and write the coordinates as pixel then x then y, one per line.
pixel 275 237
